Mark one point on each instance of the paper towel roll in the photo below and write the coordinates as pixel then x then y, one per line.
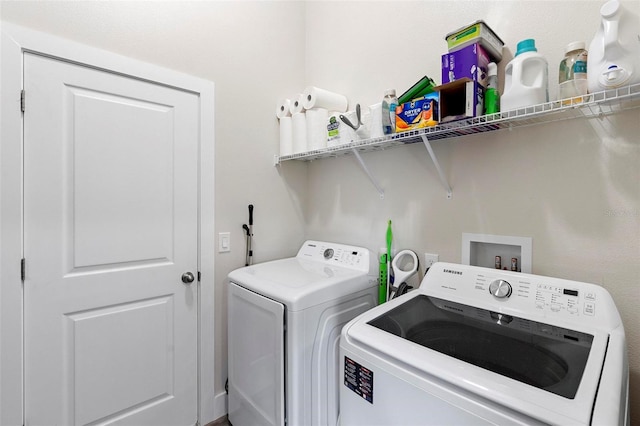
pixel 296 104
pixel 283 108
pixel 347 134
pixel 342 133
pixel 299 121
pixel 314 97
pixel 333 129
pixel 317 119
pixel 286 136
pixel 375 121
pixel 365 117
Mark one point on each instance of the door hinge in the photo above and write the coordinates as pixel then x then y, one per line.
pixel 22 100
pixel 23 268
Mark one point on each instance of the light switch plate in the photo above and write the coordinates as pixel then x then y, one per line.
pixel 224 242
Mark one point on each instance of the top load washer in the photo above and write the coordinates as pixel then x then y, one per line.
pixel 480 346
pixel 284 323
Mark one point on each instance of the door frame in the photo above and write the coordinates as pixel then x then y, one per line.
pixel 16 40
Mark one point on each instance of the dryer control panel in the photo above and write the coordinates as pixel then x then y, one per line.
pixel 346 256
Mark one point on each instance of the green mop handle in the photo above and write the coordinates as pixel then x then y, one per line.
pixel 389 238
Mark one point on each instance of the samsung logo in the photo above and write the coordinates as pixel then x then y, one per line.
pixel 451 308
pixel 451 271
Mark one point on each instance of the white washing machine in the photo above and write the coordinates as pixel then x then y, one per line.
pixel 284 324
pixel 478 346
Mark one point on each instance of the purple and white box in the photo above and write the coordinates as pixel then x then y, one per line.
pixel 471 62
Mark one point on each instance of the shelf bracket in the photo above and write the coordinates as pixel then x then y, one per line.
pixel 443 179
pixel 368 172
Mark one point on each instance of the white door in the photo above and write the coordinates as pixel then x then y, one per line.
pixel 256 359
pixel 110 205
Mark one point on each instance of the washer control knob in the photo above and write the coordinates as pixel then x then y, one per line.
pixel 328 253
pixel 500 289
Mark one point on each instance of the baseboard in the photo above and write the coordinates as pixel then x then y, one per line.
pixel 220 405
pixel 222 421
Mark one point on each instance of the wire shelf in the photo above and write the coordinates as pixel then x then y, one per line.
pixel 592 105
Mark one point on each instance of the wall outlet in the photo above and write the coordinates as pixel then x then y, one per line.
pixel 430 259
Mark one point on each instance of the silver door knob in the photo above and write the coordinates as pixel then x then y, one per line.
pixel 188 278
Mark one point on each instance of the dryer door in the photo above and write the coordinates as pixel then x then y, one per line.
pixel 256 358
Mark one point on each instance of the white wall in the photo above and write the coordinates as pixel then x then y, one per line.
pixel 254 52
pixel 572 186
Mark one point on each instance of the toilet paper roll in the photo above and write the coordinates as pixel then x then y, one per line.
pixel 314 97
pixel 296 104
pixel 286 136
pixel 299 125
pixel 375 121
pixel 283 108
pixel 317 119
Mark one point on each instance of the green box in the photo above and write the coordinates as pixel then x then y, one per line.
pixel 477 32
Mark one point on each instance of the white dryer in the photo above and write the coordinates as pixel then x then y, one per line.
pixel 478 346
pixel 284 324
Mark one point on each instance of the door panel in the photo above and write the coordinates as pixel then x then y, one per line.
pixel 148 367
pixel 110 227
pixel 113 136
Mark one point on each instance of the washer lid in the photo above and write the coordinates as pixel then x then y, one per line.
pixel 547 357
pixel 300 283
pixel 453 356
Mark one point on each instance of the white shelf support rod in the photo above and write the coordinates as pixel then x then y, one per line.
pixel 369 174
pixel 443 179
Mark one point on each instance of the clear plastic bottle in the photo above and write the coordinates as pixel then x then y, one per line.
pixel 572 75
pixel 389 104
pixel 491 96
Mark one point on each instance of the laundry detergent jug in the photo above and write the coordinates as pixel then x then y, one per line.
pixel 526 78
pixel 614 53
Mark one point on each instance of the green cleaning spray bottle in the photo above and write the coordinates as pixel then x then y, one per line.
pixel 491 96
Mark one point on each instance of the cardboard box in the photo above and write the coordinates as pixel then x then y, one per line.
pixel 469 62
pixel 418 113
pixel 476 32
pixel 460 99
